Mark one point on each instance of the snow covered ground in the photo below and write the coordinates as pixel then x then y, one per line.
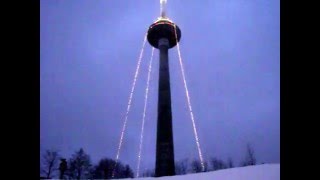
pixel 258 172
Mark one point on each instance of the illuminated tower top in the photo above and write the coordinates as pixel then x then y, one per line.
pixel 162 8
pixel 163 28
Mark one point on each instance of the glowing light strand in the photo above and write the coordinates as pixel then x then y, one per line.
pixel 189 103
pixel 144 113
pixel 129 103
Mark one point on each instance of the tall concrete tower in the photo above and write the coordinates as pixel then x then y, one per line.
pixel 162 35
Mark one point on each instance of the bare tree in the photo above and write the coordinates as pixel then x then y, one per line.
pixel 250 157
pixel 205 164
pixel 105 169
pixel 49 163
pixel 128 173
pixel 181 167
pixel 80 165
pixel 196 166
pixel 148 173
pixel 217 164
pixel 62 167
pixel 230 163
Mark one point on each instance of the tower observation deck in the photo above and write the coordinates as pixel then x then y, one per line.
pixel 163 28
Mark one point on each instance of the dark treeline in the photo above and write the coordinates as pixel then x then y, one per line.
pixel 187 166
pixel 79 166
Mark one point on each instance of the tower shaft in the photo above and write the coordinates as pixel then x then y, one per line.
pixel 164 149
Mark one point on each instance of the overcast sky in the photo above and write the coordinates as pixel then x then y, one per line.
pixel 231 54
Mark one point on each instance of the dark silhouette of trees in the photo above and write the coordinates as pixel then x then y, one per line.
pixel 230 163
pixel 148 173
pixel 205 166
pixel 128 173
pixel 63 167
pixel 196 166
pixel 79 165
pixel 217 164
pixel 250 157
pixel 181 167
pixel 49 163
pixel 105 168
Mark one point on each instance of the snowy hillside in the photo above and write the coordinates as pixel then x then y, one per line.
pixel 258 172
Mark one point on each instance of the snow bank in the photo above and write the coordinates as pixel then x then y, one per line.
pixel 258 172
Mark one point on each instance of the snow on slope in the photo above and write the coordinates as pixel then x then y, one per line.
pixel 258 172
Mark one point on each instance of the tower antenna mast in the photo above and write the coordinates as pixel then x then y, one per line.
pixel 163 8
